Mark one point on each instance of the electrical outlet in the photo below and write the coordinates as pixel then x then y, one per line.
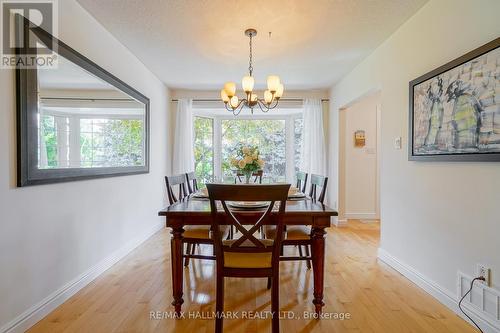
pixel 484 271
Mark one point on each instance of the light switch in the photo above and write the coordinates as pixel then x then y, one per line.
pixel 397 143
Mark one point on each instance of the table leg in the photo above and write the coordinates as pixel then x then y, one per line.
pixel 318 262
pixel 177 271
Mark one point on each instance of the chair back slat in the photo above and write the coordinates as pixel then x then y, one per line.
pixel 301 181
pixel 192 183
pixel 318 181
pixel 171 182
pixel 247 242
pixel 257 174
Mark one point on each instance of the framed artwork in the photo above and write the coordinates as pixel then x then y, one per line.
pixel 359 138
pixel 455 109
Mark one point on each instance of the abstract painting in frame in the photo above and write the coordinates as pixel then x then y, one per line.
pixel 455 109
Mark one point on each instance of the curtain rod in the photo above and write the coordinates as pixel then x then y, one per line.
pixel 88 99
pixel 281 99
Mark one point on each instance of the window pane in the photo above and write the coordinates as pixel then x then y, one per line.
pixel 267 135
pixel 297 144
pixel 48 142
pixel 111 142
pixel 203 149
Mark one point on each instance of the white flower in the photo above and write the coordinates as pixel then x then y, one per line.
pixel 255 155
pixel 248 159
pixel 234 162
pixel 242 164
pixel 260 162
pixel 246 150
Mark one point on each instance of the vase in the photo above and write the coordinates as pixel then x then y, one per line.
pixel 248 175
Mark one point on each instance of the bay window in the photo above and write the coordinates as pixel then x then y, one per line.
pixel 216 138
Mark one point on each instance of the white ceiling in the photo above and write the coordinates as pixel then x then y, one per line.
pixel 199 44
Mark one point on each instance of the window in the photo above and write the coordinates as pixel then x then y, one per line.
pixel 216 138
pixel 110 142
pixel 77 140
pixel 204 149
pixel 268 135
pixel 298 125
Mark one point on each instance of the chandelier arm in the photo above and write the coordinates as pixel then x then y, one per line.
pixel 240 107
pixel 261 104
pixel 275 103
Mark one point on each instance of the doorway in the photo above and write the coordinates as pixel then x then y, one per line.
pixel 359 159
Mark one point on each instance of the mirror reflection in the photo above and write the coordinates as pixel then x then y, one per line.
pixel 85 122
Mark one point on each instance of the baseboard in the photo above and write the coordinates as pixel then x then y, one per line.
pixel 361 216
pixel 443 295
pixel 340 222
pixel 34 314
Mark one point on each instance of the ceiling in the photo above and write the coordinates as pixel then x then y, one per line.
pixel 199 44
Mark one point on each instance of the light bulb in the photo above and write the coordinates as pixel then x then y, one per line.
pixel 253 97
pixel 247 82
pixel 223 96
pixel 279 92
pixel 230 88
pixel 268 97
pixel 273 81
pixel 234 102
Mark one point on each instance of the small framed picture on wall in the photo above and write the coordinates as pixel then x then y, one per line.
pixel 359 138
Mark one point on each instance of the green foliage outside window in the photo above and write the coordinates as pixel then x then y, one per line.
pixel 103 142
pixel 268 135
pixel 203 150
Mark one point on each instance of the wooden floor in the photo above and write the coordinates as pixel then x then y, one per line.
pixel 377 298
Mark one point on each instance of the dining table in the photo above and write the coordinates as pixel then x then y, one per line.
pixel 196 211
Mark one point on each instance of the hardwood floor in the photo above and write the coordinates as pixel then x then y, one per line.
pixel 377 298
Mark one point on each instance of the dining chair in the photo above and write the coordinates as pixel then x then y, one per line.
pixel 193 235
pixel 301 181
pixel 247 256
pixel 257 174
pixel 300 235
pixel 192 183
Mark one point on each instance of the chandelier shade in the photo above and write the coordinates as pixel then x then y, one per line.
pixel 272 95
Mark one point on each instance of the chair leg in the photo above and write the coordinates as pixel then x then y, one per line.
pixel 194 248
pixel 308 254
pixel 219 304
pixel 300 251
pixel 269 283
pixel 188 251
pixel 275 303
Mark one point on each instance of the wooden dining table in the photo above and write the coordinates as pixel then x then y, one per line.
pixel 195 211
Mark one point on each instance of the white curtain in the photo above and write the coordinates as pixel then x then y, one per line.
pixel 183 140
pixel 313 151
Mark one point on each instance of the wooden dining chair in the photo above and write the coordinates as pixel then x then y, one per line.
pixel 247 256
pixel 257 174
pixel 193 235
pixel 192 183
pixel 300 235
pixel 301 181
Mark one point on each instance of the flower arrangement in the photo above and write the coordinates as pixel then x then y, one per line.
pixel 247 161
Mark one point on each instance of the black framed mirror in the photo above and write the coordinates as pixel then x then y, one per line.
pixel 75 120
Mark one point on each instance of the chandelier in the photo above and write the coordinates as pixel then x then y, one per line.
pixel 271 95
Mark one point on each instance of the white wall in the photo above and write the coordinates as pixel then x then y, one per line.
pixel 51 234
pixel 437 217
pixel 358 167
